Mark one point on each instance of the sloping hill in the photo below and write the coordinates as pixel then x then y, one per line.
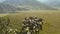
pixel 53 3
pixel 5 8
pixel 32 3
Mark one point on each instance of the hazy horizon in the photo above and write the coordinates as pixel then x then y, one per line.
pixel 1 1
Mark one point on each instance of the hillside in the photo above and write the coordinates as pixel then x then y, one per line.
pixel 51 20
pixel 7 8
pixel 52 3
pixel 12 6
pixel 32 3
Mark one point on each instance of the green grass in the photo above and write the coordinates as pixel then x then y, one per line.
pixel 51 20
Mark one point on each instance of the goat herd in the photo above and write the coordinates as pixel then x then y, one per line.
pixel 32 25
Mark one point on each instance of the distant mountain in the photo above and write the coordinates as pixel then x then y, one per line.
pixel 55 3
pixel 52 3
pixel 32 3
pixel 6 8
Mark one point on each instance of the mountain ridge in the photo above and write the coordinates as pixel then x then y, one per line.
pixel 18 5
pixel 33 3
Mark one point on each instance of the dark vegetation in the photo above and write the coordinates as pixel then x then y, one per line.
pixel 4 23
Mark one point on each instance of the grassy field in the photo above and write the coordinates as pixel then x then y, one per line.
pixel 51 20
pixel 3 15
